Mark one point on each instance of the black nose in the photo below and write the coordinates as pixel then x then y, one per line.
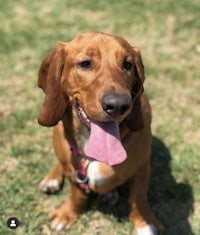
pixel 116 104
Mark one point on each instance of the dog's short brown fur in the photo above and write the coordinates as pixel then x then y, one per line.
pixel 68 82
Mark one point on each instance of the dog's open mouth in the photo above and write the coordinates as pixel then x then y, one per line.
pixel 104 142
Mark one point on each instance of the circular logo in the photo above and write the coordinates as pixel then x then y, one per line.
pixel 13 223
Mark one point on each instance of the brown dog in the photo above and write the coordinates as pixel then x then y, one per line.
pixel 94 98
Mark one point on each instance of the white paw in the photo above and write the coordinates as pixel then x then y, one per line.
pixel 49 186
pixel 57 225
pixel 147 230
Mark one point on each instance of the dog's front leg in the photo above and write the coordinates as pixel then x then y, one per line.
pixel 53 181
pixel 141 215
pixel 67 213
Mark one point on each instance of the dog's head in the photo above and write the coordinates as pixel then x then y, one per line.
pixel 101 73
pixel 102 77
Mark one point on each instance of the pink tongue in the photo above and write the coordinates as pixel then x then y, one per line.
pixel 104 143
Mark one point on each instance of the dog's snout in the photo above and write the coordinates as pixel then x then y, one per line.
pixel 116 105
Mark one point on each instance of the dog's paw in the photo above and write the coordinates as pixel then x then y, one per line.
pixel 149 229
pixel 62 218
pixel 50 184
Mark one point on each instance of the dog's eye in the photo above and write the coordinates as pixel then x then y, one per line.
pixel 127 65
pixel 86 64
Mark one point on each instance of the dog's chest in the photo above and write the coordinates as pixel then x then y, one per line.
pixel 82 137
pixel 97 177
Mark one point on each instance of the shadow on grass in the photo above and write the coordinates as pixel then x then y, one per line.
pixel 171 202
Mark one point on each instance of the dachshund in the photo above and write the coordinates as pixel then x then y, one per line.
pixel 101 118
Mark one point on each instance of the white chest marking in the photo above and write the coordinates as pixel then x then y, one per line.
pixel 94 175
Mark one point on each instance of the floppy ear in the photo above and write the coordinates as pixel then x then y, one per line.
pixel 49 75
pixel 135 119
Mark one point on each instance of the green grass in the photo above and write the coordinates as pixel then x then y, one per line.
pixel 168 34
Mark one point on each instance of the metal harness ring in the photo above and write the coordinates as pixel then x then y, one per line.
pixel 81 181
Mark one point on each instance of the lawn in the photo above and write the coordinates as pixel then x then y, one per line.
pixel 167 33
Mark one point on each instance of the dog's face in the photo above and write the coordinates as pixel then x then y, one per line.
pixel 101 73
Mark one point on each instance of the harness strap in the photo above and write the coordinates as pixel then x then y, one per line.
pixel 81 172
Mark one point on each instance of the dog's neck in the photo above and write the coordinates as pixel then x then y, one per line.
pixel 73 125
